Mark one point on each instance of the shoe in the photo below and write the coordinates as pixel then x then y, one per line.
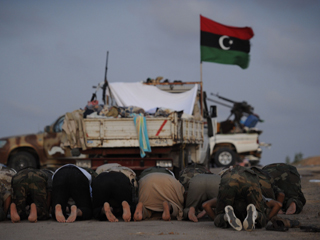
pixel 232 219
pixel 249 222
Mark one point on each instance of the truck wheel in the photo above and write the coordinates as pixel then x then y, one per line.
pixel 21 160
pixel 225 157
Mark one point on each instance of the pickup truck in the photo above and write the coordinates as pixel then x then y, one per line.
pixel 37 150
pixel 174 142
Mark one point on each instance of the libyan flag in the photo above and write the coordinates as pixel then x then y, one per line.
pixel 224 44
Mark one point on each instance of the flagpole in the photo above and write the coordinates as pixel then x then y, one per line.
pixel 201 71
pixel 201 91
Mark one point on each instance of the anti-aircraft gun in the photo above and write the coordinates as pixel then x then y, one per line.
pixel 239 109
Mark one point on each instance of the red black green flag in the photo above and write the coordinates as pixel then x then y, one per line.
pixel 224 44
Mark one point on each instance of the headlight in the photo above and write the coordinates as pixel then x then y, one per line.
pixel 167 164
pixel 2 143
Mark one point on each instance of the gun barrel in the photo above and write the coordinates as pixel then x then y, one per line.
pixel 105 85
pixel 215 101
pixel 223 98
pixel 105 72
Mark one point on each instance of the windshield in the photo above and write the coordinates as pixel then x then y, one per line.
pixel 58 125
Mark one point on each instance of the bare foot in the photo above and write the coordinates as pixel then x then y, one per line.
pixel 192 214
pixel 281 212
pixel 14 214
pixel 292 208
pixel 59 214
pixel 126 211
pixel 201 214
pixel 166 211
pixel 109 213
pixel 33 217
pixel 73 215
pixel 138 213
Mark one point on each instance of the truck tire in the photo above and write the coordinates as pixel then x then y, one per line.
pixel 224 157
pixel 22 160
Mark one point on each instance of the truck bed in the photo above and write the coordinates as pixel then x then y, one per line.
pixel 121 132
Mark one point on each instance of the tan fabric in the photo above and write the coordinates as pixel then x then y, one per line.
pixel 196 110
pixel 106 167
pixel 73 129
pixel 113 112
pixel 155 188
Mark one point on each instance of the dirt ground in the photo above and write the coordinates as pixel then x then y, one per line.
pixel 156 229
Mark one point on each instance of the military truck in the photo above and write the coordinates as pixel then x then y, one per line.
pixel 174 142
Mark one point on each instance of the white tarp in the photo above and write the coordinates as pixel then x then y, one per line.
pixel 149 97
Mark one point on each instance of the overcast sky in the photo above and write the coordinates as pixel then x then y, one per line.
pixel 53 52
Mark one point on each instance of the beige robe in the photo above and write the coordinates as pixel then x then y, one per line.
pixel 73 130
pixel 155 188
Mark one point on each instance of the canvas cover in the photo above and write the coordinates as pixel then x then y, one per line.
pixel 150 97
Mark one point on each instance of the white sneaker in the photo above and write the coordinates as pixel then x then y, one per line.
pixel 249 222
pixel 232 219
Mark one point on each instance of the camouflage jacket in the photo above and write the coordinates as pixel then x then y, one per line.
pixel 287 178
pixel 269 190
pixel 6 175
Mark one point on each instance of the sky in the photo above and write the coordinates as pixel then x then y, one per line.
pixel 53 52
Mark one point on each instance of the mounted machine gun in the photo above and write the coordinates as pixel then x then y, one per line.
pixel 239 109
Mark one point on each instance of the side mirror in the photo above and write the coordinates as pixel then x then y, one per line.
pixel 213 111
pixel 47 129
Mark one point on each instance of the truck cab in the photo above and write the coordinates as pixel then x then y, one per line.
pixel 37 150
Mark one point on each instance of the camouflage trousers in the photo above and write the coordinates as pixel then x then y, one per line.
pixel 287 178
pixel 239 189
pixel 30 186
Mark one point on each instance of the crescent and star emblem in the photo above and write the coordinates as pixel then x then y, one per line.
pixel 221 42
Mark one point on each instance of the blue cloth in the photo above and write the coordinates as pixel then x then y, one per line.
pixel 251 121
pixel 141 127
